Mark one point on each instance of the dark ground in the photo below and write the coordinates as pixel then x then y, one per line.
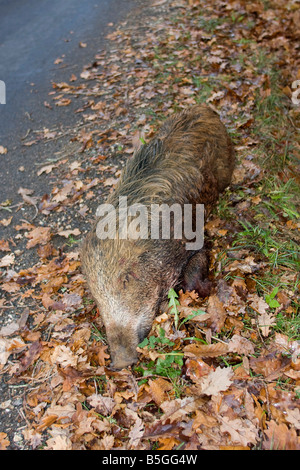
pixel 33 34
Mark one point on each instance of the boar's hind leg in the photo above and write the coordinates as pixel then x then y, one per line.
pixel 195 275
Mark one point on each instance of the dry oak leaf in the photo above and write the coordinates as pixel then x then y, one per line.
pixel 46 422
pixel 67 233
pixel 102 405
pixel 167 443
pixel 136 432
pixel 293 417
pixel 33 437
pixel 245 266
pixel 280 437
pixel 4 441
pixel 64 356
pixel 4 246
pixel 270 366
pixel 240 345
pixel 9 329
pixel 186 311
pixel 25 193
pixel 6 222
pixel 158 389
pixel 196 368
pixel 287 345
pixel 70 300
pixel 59 442
pixel 102 354
pixel 9 346
pixel 30 356
pixel 217 381
pixel 175 410
pixel 204 419
pixel 217 313
pixel 38 236
pixel 85 425
pixel 106 443
pixel 110 181
pixel 55 412
pixel 265 320
pixel 46 169
pixel 63 102
pixel 62 194
pixel 7 260
pixel 242 431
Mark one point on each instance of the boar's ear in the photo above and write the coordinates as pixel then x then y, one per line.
pixel 124 280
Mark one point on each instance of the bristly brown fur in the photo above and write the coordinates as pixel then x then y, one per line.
pixel 190 161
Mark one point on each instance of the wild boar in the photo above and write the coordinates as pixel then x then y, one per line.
pixel 189 162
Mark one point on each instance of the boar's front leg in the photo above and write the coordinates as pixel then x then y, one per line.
pixel 195 274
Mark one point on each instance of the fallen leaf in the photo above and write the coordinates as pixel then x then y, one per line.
pixel 158 389
pixel 240 345
pixel 64 356
pixel 102 405
pixel 242 431
pixel 280 437
pixel 136 433
pixel 196 368
pixel 25 193
pixel 59 442
pixel 205 350
pixel 46 169
pixel 293 417
pixel 216 381
pixel 6 222
pixel 4 246
pixel 4 441
pixel 175 410
pixel 67 233
pixel 217 312
pixel 8 346
pixel 39 235
pixel 63 102
pixel 7 260
pixel 110 181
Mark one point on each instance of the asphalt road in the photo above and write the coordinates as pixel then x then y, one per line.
pixel 33 34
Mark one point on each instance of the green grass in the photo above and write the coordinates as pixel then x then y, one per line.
pixel 289 325
pixel 280 198
pixel 279 251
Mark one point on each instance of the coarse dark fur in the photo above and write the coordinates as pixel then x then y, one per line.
pixel 189 161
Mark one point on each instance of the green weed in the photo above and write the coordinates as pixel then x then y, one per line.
pixel 168 365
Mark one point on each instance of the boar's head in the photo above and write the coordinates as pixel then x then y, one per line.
pixel 125 280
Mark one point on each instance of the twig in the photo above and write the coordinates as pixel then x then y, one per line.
pixel 213 337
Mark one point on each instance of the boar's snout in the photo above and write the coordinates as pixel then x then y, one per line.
pixel 122 359
pixel 122 344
